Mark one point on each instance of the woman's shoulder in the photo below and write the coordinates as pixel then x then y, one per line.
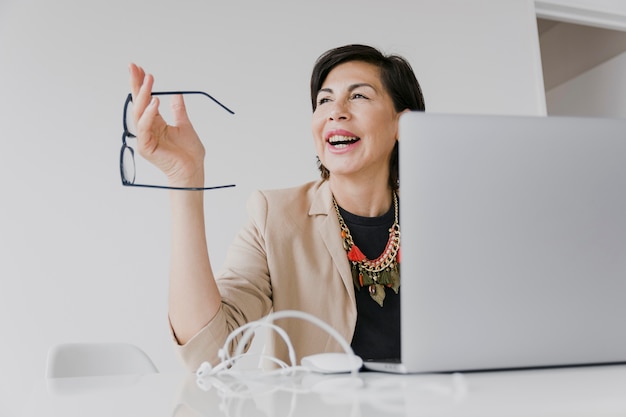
pixel 299 199
pixel 299 191
pixel 302 192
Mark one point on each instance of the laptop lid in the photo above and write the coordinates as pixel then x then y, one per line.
pixel 513 242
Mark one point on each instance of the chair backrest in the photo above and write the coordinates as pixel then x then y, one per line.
pixel 96 359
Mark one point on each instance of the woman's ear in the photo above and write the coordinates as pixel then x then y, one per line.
pixel 398 124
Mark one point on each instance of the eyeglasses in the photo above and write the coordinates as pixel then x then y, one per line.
pixel 127 153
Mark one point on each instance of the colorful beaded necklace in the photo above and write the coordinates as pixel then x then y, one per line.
pixel 381 272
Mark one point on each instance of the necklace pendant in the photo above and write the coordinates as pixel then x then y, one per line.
pixel 377 292
pixel 367 278
pixel 394 278
pixel 384 277
pixel 357 278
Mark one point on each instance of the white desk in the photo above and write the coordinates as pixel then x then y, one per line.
pixel 586 391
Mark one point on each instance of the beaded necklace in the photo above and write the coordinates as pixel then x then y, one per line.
pixel 381 272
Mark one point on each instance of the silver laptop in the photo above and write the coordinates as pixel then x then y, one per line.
pixel 513 242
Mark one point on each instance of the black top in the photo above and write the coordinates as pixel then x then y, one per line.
pixel 377 333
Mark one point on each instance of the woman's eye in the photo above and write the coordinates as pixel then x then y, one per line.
pixel 323 100
pixel 358 95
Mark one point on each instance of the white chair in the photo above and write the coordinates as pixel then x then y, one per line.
pixel 97 359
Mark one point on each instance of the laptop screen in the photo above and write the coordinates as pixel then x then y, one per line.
pixel 513 241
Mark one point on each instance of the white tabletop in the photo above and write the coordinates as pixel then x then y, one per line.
pixel 582 391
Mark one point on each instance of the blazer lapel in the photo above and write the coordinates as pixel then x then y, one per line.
pixel 329 230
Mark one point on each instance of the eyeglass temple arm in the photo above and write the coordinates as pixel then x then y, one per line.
pixel 163 93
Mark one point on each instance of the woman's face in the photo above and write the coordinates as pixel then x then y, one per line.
pixel 355 125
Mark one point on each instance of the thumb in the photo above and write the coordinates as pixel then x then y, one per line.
pixel 179 111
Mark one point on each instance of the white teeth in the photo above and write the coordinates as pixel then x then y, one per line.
pixel 342 139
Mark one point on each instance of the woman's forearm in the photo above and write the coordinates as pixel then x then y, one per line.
pixel 194 298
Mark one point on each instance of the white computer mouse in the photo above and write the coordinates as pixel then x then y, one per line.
pixel 332 363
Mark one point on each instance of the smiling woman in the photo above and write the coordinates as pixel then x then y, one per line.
pixel 392 78
pixel 340 232
pixel 355 125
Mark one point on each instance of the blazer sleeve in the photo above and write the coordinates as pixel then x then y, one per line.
pixel 244 285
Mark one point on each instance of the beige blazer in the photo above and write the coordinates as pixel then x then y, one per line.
pixel 289 256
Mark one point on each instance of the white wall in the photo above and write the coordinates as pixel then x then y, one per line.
pixel 598 92
pixel 83 258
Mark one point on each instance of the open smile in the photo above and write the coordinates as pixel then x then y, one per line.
pixel 340 141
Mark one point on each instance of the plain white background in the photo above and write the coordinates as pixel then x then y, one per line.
pixel 83 258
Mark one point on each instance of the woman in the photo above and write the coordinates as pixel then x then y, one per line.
pixel 305 248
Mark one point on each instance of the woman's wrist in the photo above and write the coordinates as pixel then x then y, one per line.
pixel 196 180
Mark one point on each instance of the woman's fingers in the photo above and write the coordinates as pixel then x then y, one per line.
pixel 179 111
pixel 137 75
pixel 147 126
pixel 141 89
pixel 143 97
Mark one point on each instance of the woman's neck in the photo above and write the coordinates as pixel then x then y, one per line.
pixel 367 200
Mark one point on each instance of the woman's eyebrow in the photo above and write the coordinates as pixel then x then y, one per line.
pixel 351 87
pixel 358 85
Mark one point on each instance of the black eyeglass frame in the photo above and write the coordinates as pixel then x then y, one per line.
pixel 127 134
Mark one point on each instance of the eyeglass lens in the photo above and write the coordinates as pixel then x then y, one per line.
pixel 128 164
pixel 130 119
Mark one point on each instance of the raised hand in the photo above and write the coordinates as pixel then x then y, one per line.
pixel 175 149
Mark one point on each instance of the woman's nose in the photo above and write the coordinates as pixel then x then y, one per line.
pixel 338 112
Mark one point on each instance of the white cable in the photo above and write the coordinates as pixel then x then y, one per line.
pixel 311 318
pixel 247 335
pixel 247 331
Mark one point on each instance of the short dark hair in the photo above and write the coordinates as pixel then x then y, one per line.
pixel 396 75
